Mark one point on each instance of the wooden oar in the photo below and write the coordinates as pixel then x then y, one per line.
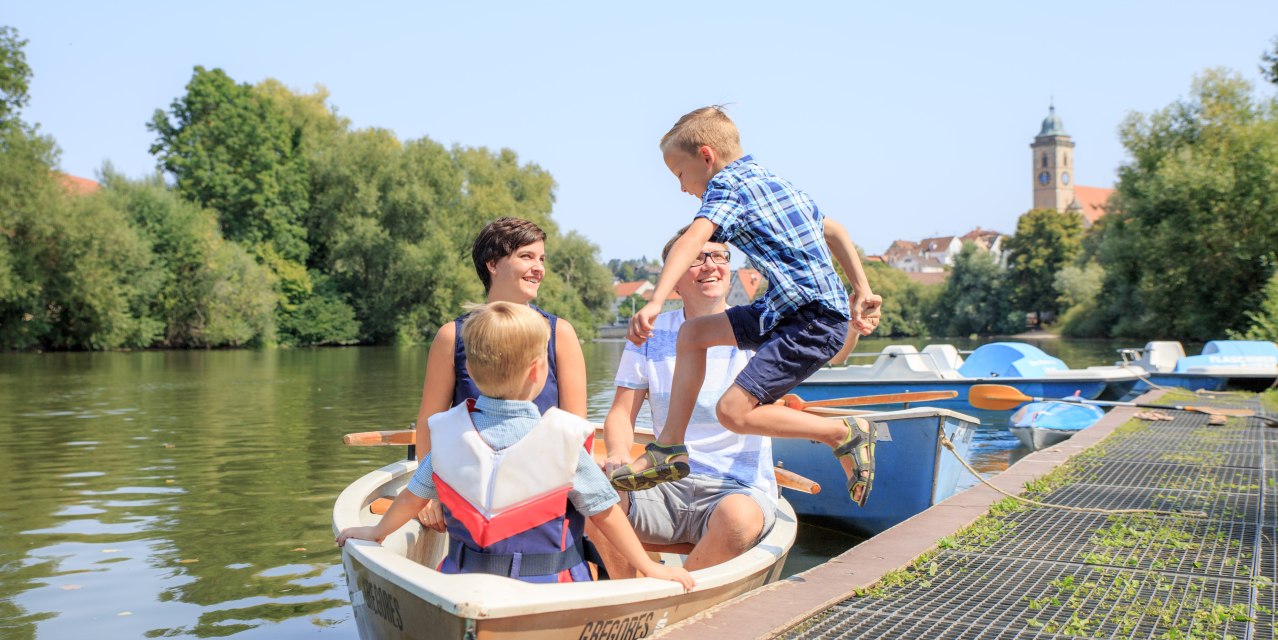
pixel 795 402
pixel 787 479
pixel 1002 397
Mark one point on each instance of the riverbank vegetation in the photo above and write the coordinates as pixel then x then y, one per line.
pixel 273 222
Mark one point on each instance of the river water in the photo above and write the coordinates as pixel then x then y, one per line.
pixel 188 493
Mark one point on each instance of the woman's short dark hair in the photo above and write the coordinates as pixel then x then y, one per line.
pixel 500 238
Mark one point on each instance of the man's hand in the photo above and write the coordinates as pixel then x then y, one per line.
pixel 614 461
pixel 641 324
pixel 866 313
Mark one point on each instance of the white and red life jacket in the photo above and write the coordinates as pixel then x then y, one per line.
pixel 507 510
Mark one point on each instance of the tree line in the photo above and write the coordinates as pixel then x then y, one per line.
pixel 1188 248
pixel 270 221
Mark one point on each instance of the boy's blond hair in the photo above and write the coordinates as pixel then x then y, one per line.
pixel 707 126
pixel 501 340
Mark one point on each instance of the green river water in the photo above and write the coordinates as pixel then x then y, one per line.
pixel 188 493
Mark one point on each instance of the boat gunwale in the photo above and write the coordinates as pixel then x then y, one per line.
pixel 479 596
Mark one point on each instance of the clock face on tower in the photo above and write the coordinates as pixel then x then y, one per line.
pixel 1065 178
pixel 1044 178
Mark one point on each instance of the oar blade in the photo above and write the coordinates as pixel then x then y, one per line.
pixel 379 438
pixel 996 397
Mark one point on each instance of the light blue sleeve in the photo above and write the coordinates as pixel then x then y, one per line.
pixel 422 484
pixel 591 492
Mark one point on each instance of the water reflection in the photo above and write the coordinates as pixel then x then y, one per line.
pixel 170 494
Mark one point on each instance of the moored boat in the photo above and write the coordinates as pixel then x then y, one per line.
pixel 1243 364
pixel 900 368
pixel 396 593
pixel 912 470
pixel 1042 424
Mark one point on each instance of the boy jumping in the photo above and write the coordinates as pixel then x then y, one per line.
pixel 514 484
pixel 801 323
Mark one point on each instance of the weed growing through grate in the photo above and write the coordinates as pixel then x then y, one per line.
pixel 1163 607
pixel 919 574
pixel 1269 400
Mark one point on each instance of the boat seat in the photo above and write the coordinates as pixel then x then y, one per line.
pixel 945 356
pixel 1162 355
pixel 904 361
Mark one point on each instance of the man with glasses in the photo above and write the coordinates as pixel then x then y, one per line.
pixel 728 501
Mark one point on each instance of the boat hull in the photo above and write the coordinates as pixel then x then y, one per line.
pixel 912 470
pixel 396 596
pixel 821 389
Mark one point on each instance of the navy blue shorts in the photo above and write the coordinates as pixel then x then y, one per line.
pixel 790 352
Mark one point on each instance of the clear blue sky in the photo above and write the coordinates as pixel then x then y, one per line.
pixel 903 120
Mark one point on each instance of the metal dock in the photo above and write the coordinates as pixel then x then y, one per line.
pixel 1204 570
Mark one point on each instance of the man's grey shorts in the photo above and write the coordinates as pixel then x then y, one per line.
pixel 678 512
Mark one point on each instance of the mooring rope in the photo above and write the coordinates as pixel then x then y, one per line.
pixel 950 445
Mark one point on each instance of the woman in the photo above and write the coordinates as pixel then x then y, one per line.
pixel 510 259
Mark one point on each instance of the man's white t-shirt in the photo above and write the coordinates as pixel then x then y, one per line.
pixel 714 451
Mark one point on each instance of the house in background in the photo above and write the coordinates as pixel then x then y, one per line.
pixel 746 285
pixel 77 186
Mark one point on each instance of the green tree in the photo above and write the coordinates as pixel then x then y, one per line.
pixel 975 299
pixel 1269 63
pixel 211 292
pixel 15 76
pixel 1046 241
pixel 1194 237
pixel 231 149
pixel 1263 322
pixel 1079 290
pixel 577 287
pixel 907 305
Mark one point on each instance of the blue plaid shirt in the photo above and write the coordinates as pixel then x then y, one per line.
pixel 781 230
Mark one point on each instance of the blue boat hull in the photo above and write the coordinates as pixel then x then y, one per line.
pixel 1090 389
pixel 1042 424
pixel 912 470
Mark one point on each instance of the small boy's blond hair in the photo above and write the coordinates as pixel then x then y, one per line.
pixel 708 127
pixel 501 340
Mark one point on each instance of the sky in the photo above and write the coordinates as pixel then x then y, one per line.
pixel 901 120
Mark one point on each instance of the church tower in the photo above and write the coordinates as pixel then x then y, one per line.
pixel 1053 162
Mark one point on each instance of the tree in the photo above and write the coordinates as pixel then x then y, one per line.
pixel 577 287
pixel 975 299
pixel 1194 237
pixel 1046 241
pixel 15 76
pixel 210 292
pixel 1263 322
pixel 232 150
pixel 907 305
pixel 1269 64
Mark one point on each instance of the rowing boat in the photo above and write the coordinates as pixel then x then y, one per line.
pixel 396 594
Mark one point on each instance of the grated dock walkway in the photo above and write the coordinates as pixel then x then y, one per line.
pixel 1034 572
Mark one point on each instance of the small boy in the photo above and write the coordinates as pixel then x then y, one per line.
pixel 516 486
pixel 801 323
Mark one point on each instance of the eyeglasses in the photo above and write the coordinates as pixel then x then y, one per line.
pixel 717 257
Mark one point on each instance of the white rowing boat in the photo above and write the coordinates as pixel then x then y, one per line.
pixel 396 593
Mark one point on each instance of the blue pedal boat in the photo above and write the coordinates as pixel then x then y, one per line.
pixel 912 470
pixel 1039 425
pixel 1237 364
pixel 940 367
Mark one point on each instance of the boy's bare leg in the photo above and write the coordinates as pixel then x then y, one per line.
pixel 741 412
pixel 696 336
